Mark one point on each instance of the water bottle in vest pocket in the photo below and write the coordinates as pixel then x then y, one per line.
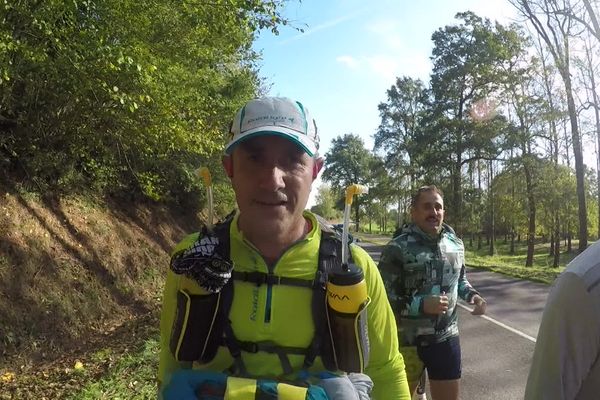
pixel 197 328
pixel 347 303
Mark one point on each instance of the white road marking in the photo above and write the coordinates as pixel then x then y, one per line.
pixel 513 330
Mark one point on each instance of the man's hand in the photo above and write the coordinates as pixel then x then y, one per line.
pixel 480 305
pixel 435 305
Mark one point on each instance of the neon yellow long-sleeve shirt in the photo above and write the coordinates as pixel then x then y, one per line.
pixel 283 314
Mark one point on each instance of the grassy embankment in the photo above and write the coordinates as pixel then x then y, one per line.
pixel 81 283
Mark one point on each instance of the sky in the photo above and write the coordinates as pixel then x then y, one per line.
pixel 351 52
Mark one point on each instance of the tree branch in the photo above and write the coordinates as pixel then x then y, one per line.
pixel 488 158
pixel 588 105
pixel 592 15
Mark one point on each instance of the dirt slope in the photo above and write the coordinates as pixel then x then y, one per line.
pixel 75 273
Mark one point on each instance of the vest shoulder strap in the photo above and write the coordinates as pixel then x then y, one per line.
pixel 330 258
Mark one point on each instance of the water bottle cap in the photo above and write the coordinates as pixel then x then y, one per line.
pixel 343 277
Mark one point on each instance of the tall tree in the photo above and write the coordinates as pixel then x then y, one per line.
pixel 555 100
pixel 382 193
pixel 589 71
pixel 348 162
pixel 555 26
pixel 396 136
pixel 468 68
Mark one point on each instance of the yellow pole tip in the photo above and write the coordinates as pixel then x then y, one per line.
pixel 204 173
pixel 355 189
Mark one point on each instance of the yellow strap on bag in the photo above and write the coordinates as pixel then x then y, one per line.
pixel 291 392
pixel 240 389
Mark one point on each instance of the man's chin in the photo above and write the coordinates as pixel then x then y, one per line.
pixel 271 215
pixel 433 230
pixel 268 212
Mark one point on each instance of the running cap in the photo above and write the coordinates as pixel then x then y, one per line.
pixel 277 116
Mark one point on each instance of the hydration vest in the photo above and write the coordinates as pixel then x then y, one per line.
pixel 202 324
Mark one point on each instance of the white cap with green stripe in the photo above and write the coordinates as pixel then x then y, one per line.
pixel 278 116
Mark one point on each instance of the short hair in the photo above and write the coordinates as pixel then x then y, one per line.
pixel 429 188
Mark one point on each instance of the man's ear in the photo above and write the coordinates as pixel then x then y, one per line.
pixel 227 162
pixel 317 166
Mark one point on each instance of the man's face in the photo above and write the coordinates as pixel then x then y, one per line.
pixel 272 179
pixel 428 212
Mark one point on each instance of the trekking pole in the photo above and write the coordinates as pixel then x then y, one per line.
pixel 204 173
pixel 420 393
pixel 350 192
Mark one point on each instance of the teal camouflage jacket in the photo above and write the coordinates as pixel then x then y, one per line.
pixel 414 265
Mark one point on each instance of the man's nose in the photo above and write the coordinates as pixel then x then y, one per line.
pixel 434 211
pixel 271 178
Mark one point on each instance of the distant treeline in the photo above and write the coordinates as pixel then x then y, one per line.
pixel 502 126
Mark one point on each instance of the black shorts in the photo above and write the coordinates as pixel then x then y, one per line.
pixel 442 360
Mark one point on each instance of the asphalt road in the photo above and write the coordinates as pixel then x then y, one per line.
pixel 496 348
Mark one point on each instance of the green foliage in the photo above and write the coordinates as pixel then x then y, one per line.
pixel 401 121
pixel 123 96
pixel 325 203
pixel 348 162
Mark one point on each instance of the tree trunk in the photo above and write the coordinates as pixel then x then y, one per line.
pixel 398 222
pixel 512 241
pixel 577 153
pixel 531 210
pixel 385 218
pixel 556 260
pixel 457 178
pixel 492 212
pixel 456 207
pixel 556 31
pixel 597 116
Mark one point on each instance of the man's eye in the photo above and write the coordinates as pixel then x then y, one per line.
pixel 295 161
pixel 254 157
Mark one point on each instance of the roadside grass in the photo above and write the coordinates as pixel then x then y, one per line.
pixel 375 229
pixel 514 264
pixel 130 377
pixel 375 238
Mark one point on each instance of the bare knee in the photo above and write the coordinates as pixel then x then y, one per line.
pixel 444 390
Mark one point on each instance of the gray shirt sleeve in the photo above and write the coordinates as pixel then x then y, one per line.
pixel 568 343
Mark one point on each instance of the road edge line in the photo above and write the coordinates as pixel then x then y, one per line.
pixel 500 324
